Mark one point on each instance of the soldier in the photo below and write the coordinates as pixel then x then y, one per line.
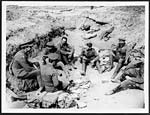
pixel 50 48
pixel 67 52
pixel 133 75
pixel 50 76
pixel 35 50
pixel 53 54
pixel 27 77
pixel 89 55
pixel 119 56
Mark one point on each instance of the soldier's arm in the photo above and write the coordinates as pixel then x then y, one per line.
pixel 64 52
pixel 60 64
pixel 24 64
pixel 55 80
pixel 95 55
pixel 82 53
pixel 71 47
pixel 61 51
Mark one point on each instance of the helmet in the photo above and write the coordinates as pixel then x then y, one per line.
pixel 53 56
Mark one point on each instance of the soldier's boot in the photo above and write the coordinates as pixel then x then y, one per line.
pixel 117 89
pixel 114 75
pixel 83 69
pixel 110 92
pixel 23 97
pixel 40 82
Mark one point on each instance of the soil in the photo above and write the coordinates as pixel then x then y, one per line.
pixel 24 22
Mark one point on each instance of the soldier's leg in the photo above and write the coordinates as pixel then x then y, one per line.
pixel 123 85
pixel 72 60
pixel 136 77
pixel 37 75
pixel 119 66
pixel 72 55
pixel 84 66
pixel 127 84
pixel 65 59
pixel 112 60
pixel 120 77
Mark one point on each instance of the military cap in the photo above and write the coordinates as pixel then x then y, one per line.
pixel 53 56
pixel 50 44
pixel 89 44
pixel 122 39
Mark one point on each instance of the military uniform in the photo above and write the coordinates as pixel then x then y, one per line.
pixel 27 77
pixel 49 78
pixel 53 54
pixel 50 48
pixel 88 55
pixel 120 57
pixel 50 75
pixel 135 70
pixel 67 52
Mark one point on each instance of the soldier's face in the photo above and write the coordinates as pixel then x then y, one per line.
pixel 64 41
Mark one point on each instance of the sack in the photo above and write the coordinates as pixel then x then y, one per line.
pixel 50 99
pixel 65 100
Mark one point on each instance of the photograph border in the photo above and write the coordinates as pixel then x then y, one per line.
pixel 3 55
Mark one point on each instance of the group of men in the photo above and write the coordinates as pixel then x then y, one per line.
pixel 31 77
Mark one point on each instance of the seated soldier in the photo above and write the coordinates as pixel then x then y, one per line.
pixel 66 52
pixel 132 76
pixel 52 53
pixel 27 78
pixel 89 55
pixel 54 59
pixel 50 76
pixel 50 48
pixel 119 56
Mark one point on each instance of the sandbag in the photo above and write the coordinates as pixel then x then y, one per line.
pixel 65 100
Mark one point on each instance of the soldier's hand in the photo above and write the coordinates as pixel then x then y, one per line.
pixel 69 56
